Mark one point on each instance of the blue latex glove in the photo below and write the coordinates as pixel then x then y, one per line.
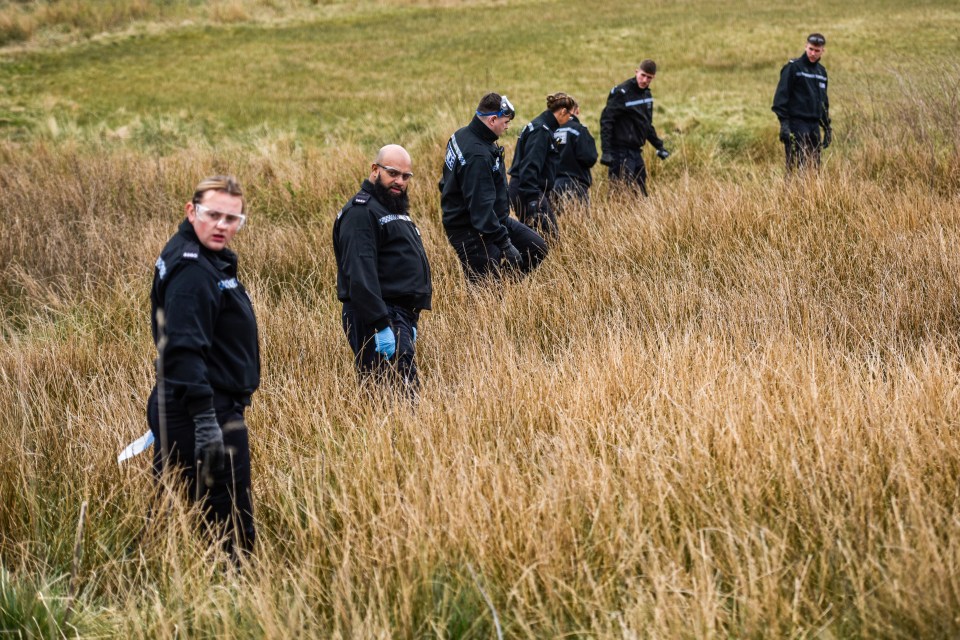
pixel 386 342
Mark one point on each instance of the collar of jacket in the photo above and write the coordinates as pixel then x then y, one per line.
pixel 632 86
pixel 550 120
pixel 367 186
pixel 481 130
pixel 222 260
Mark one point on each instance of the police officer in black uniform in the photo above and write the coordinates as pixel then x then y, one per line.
pixel 208 363
pixel 534 167
pixel 476 210
pixel 802 106
pixel 383 276
pixel 578 154
pixel 626 124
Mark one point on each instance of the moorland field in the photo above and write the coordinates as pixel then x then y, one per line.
pixel 729 410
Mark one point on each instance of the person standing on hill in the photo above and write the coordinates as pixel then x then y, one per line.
pixel 578 154
pixel 534 167
pixel 626 124
pixel 473 197
pixel 208 362
pixel 802 106
pixel 383 275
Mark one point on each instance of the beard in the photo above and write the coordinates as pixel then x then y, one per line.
pixel 396 204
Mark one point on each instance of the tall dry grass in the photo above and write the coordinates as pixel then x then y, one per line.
pixel 38 23
pixel 728 410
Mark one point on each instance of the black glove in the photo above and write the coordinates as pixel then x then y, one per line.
pixel 208 445
pixel 827 136
pixel 508 253
pixel 663 154
pixel 606 159
pixel 785 131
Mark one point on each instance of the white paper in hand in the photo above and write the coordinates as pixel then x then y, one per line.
pixel 136 447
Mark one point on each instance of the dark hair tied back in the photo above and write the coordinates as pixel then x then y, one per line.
pixel 560 100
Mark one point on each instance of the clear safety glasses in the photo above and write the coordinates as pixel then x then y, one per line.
pixel 229 220
pixel 395 173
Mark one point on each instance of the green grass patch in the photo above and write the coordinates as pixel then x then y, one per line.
pixel 413 73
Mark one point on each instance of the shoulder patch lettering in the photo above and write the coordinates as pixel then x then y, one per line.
pixel 361 198
pixel 454 154
pixel 191 255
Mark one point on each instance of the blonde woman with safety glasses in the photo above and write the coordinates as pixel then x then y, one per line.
pixel 208 363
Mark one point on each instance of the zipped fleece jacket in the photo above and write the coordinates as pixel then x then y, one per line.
pixel 627 120
pixel 802 92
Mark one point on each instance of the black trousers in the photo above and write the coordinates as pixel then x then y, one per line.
pixel 542 219
pixel 567 191
pixel 571 188
pixel 401 369
pixel 803 146
pixel 481 259
pixel 628 166
pixel 228 504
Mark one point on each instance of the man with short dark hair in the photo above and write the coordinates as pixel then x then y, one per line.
pixel 626 124
pixel 802 106
pixel 383 276
pixel 476 209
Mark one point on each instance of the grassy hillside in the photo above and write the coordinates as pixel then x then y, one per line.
pixel 409 72
pixel 728 410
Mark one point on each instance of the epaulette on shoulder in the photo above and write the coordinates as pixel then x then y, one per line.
pixel 361 198
pixel 174 255
pixel 191 251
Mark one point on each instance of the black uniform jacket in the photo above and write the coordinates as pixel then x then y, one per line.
pixel 209 325
pixel 380 259
pixel 802 92
pixel 473 187
pixel 578 151
pixel 536 157
pixel 627 120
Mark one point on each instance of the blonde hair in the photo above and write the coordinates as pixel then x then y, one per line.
pixel 560 100
pixel 226 184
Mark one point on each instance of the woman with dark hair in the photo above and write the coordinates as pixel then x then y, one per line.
pixel 578 154
pixel 535 164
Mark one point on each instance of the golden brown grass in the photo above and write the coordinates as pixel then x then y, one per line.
pixel 728 410
pixel 34 24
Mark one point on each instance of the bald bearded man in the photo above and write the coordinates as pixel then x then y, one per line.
pixel 383 275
